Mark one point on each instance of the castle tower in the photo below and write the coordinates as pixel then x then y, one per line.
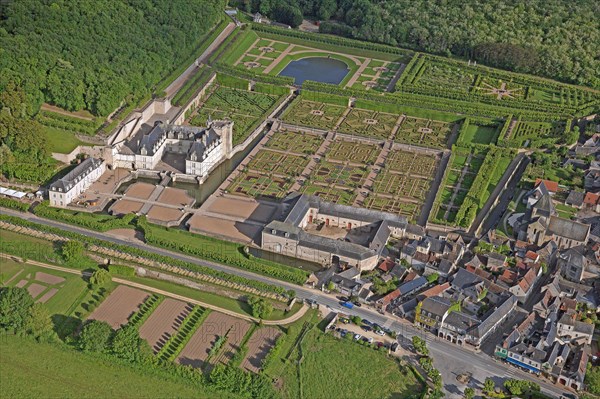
pixel 224 128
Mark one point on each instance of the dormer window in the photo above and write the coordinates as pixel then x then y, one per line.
pixel 273 231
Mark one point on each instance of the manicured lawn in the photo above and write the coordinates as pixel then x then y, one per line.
pixel 30 370
pixel 480 134
pixel 565 211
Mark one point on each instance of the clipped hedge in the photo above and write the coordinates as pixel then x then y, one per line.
pixel 258 285
pixel 89 220
pixel 14 204
pixel 121 270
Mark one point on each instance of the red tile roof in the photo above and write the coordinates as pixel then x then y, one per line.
pixel 390 297
pixel 508 277
pixel 410 276
pixel 387 265
pixel 435 291
pixel 527 280
pixel 591 199
pixel 532 255
pixel 552 186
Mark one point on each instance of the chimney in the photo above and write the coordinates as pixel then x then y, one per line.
pixel 204 138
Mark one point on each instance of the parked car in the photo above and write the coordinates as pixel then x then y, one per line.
pixel 348 305
pixel 394 346
pixel 357 337
pixel 380 344
pixel 367 328
pixel 343 298
pixel 379 332
pixel 356 303
pixel 367 322
pixel 344 320
pixel 370 340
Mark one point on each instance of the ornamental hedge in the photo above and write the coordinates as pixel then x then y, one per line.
pixel 14 204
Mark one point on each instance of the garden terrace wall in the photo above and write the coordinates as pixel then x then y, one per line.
pixel 147 258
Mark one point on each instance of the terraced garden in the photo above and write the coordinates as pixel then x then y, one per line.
pixel 245 108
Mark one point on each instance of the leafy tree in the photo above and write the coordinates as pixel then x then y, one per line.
pixel 330 286
pixel 469 393
pixel 489 386
pixel 592 379
pixel 356 320
pixel 14 309
pixel 261 308
pixel 420 345
pixel 520 387
pixel 39 324
pixel 72 250
pixel 100 277
pixel 433 277
pixel 126 343
pixel 95 336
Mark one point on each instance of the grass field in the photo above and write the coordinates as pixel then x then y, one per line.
pixel 60 140
pixel 31 369
pixel 323 355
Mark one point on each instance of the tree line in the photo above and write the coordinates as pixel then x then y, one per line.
pixel 95 54
pixel 557 39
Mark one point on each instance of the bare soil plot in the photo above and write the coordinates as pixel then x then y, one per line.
pixel 237 231
pixel 44 298
pixel 140 190
pixel 35 289
pixel 259 346
pixel 118 307
pixel 216 325
pixel 242 208
pixel 175 196
pixel 21 284
pixel 48 278
pixel 123 207
pixel 164 214
pixel 164 322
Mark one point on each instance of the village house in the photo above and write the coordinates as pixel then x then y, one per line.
pixel 66 189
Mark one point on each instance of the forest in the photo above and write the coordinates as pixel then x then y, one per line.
pixel 559 39
pixel 94 54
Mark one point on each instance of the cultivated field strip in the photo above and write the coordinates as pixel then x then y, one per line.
pixel 216 325
pixel 188 327
pixel 259 346
pixel 119 306
pixel 164 322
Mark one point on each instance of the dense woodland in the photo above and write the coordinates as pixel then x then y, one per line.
pixel 559 39
pixel 84 54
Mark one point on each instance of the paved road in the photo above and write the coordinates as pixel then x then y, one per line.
pixel 450 359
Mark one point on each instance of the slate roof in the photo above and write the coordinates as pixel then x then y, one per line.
pixel 568 228
pixel 544 206
pixel 578 326
pixel 575 198
pixel 436 305
pixel 68 181
pixel 208 138
pixel 412 285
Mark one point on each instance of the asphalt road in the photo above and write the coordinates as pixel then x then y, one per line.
pixel 450 359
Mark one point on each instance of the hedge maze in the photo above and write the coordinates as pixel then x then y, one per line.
pixel 251 184
pixel 277 163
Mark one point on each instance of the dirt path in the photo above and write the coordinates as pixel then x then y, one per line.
pixel 289 320
pixel 57 110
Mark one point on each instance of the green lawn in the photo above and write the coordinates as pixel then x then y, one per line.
pixel 360 372
pixel 480 134
pixel 565 211
pixel 61 140
pixel 208 297
pixel 30 369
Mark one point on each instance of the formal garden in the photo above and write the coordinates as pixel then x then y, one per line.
pixel 295 142
pixel 374 124
pixel 313 114
pixel 423 132
pixel 256 185
pixel 284 165
pixel 353 152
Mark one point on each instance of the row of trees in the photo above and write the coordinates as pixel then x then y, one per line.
pixel 557 40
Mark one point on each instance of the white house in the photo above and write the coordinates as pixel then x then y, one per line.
pixel 64 191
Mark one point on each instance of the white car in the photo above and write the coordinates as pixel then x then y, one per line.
pixel 371 340
pixel 357 337
pixel 380 332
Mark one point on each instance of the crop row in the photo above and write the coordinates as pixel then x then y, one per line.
pixel 138 318
pixel 184 333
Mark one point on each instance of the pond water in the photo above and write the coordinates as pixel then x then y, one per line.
pixel 318 69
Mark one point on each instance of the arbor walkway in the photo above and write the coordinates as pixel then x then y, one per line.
pixel 205 305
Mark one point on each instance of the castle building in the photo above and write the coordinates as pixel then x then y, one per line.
pixel 63 191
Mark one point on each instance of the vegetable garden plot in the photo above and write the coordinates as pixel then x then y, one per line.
pixel 296 142
pixel 368 123
pixel 355 152
pixel 424 132
pixel 313 114
pixel 257 185
pixel 339 175
pixel 259 345
pixel 267 162
pixel 164 322
pixel 393 205
pixel 330 194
